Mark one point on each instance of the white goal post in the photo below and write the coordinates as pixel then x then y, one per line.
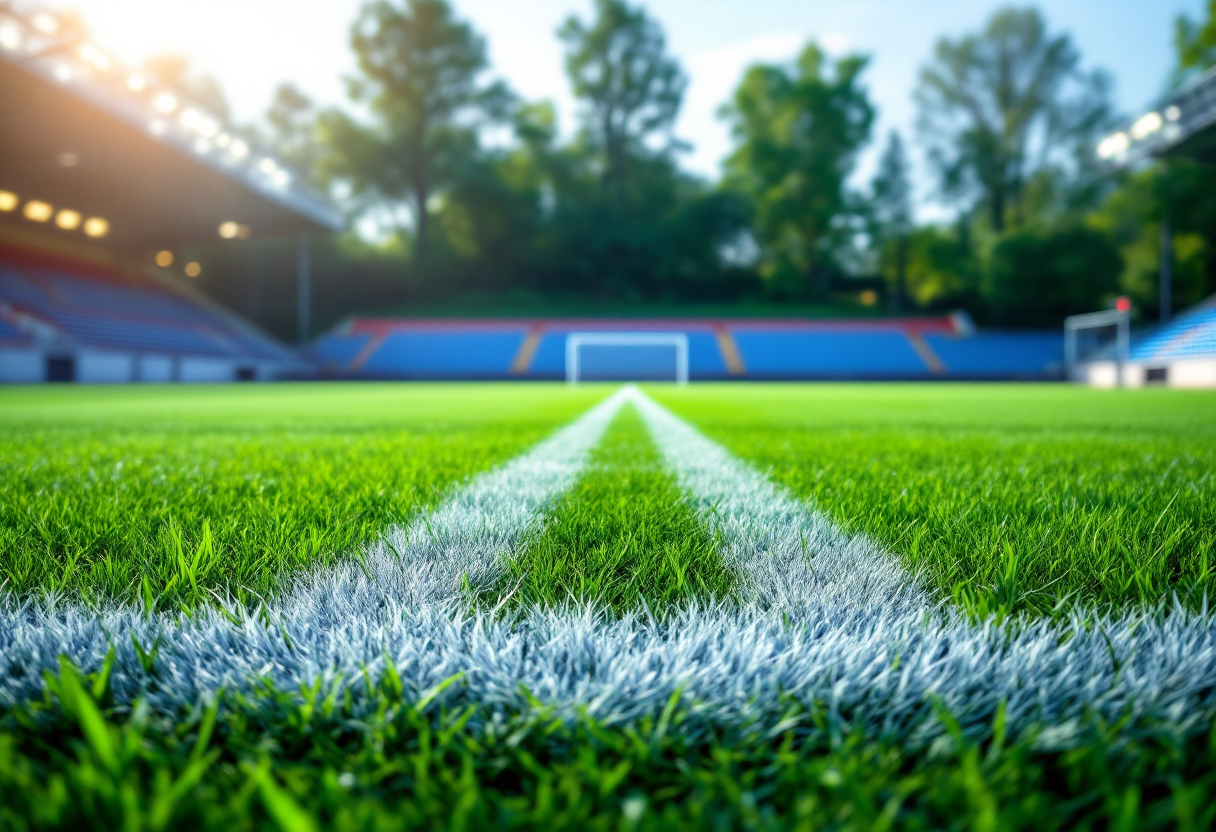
pixel 1075 324
pixel 575 341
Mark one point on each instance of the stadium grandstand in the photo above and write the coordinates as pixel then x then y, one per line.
pixel 945 347
pixel 105 174
pixel 1179 351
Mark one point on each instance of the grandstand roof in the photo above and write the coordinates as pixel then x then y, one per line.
pixel 81 133
pixel 1183 123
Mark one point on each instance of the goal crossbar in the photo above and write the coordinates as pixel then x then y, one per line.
pixel 575 341
pixel 1075 324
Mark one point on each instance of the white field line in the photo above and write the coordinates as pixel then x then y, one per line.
pixel 324 620
pixel 813 638
pixel 787 556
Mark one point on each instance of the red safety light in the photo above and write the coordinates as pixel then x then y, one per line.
pixel 1123 304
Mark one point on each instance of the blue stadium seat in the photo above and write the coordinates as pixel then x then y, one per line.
pixel 828 354
pixel 469 354
pixel 128 316
pixel 1000 354
pixel 339 349
pixel 1191 335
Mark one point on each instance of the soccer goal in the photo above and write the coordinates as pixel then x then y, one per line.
pixel 627 356
pixel 1098 338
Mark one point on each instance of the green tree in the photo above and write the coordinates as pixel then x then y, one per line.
pixel 891 214
pixel 421 80
pixel 1195 42
pixel 631 89
pixel 290 127
pixel 1009 105
pixel 798 129
pixel 1035 277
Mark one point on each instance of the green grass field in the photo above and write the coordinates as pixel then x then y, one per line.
pixel 1016 504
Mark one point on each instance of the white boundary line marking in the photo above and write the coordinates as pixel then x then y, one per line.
pixel 873 665
pixel 324 616
pixel 790 556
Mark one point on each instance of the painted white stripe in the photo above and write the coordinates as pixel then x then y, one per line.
pixel 788 555
pixel 872 662
pixel 463 541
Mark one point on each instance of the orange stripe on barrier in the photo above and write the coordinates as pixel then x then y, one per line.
pixel 730 351
pixel 926 353
pixel 527 351
pixel 369 349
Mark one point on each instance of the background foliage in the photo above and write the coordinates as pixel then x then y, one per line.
pixel 465 198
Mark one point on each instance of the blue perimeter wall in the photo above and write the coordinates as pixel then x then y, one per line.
pixel 369 348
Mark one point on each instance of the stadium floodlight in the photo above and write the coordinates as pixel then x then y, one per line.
pixel 96 227
pixel 1113 145
pixel 1118 318
pixel 38 211
pixel 234 231
pixel 93 56
pixel 576 342
pixel 8 201
pixel 68 219
pixel 10 37
pixel 46 23
pixel 1146 125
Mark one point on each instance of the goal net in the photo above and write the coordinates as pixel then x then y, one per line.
pixel 1097 337
pixel 627 356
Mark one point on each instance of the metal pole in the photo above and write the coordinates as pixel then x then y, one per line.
pixel 1122 346
pixel 572 344
pixel 303 290
pixel 1167 268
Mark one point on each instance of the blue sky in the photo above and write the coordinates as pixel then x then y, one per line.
pixel 252 45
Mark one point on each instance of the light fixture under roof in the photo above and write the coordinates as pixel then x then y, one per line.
pixel 93 56
pixel 136 83
pixel 239 149
pixel 164 259
pixel 165 103
pixel 46 23
pixel 193 269
pixel 10 37
pixel 1146 125
pixel 68 220
pixel 96 227
pixel 38 211
pixel 8 201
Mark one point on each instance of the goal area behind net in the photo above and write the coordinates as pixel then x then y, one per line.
pixel 627 356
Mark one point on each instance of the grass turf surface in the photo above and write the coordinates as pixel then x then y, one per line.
pixel 1101 496
pixel 167 494
pixel 1011 498
pixel 622 539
